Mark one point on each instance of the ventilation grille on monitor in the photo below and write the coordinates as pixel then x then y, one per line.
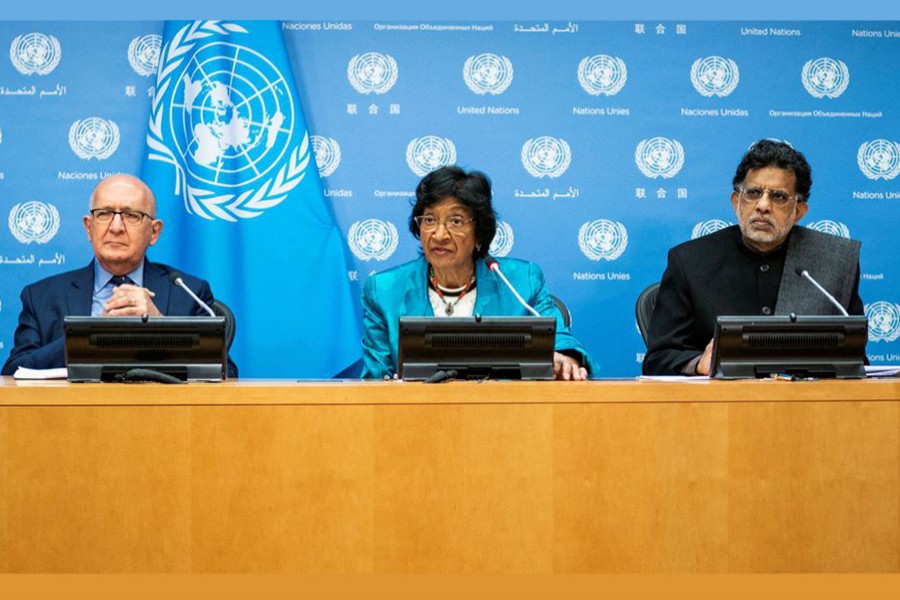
pixel 480 341
pixel 113 341
pixel 794 340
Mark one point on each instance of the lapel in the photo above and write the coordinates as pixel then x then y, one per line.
pixel 415 301
pixel 82 293
pixel 156 279
pixel 489 300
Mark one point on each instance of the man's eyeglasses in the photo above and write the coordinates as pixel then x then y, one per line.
pixel 776 197
pixel 430 223
pixel 129 217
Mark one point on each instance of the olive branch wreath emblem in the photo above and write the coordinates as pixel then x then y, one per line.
pixel 210 204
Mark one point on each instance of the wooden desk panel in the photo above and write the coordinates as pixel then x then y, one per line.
pixel 359 477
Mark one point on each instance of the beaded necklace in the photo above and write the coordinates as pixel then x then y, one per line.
pixel 459 292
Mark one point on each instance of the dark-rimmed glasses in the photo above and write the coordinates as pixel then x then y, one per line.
pixel 129 217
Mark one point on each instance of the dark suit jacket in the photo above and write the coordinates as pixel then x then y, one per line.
pixel 39 339
pixel 716 275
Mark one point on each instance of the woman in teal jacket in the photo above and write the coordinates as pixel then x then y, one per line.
pixel 455 222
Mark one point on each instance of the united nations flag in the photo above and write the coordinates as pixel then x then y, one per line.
pixel 231 162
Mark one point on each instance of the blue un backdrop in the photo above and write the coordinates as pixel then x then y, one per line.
pixel 607 143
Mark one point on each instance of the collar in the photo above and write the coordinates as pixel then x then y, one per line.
pixel 102 276
pixel 489 301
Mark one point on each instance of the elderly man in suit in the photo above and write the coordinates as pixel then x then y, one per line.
pixel 120 281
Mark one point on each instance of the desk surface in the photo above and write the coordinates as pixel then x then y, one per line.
pixel 257 391
pixel 393 477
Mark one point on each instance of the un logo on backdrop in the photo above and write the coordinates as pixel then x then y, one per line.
pixel 428 153
pixel 714 76
pixel 546 156
pixel 372 73
pixel 707 227
pixel 35 53
pixel 328 154
pixel 230 117
pixel 879 159
pixel 503 240
pixel 33 221
pixel 884 321
pixel 825 77
pixel 94 138
pixel 603 239
pixel 373 239
pixel 602 74
pixel 831 228
pixel 143 54
pixel 659 157
pixel 488 74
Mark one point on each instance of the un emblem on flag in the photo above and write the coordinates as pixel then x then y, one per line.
pixel 372 73
pixel 35 53
pixel 884 321
pixel 224 116
pixel 714 76
pixel 143 54
pixel 503 240
pixel 879 159
pixel 428 153
pixel 825 77
pixel 659 157
pixel 546 156
pixel 94 138
pixel 603 239
pixel 707 227
pixel 602 74
pixel 33 221
pixel 831 228
pixel 328 154
pixel 373 239
pixel 488 74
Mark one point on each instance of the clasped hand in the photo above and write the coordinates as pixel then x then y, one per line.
pixel 130 300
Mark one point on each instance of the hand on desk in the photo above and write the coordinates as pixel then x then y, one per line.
pixel 705 363
pixel 567 368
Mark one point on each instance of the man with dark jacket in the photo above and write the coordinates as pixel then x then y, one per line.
pixel 120 281
pixel 750 268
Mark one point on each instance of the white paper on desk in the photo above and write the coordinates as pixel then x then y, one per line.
pixel 882 370
pixel 674 377
pixel 24 373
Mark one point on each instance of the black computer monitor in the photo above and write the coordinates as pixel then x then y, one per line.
pixel 477 347
pixel 799 346
pixel 106 348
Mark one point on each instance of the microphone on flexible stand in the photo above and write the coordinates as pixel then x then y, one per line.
pixel 494 266
pixel 175 277
pixel 805 274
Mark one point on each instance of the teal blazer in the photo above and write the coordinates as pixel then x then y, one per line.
pixel 403 292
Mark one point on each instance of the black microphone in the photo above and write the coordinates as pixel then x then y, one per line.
pixel 805 274
pixel 494 266
pixel 442 376
pixel 175 277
